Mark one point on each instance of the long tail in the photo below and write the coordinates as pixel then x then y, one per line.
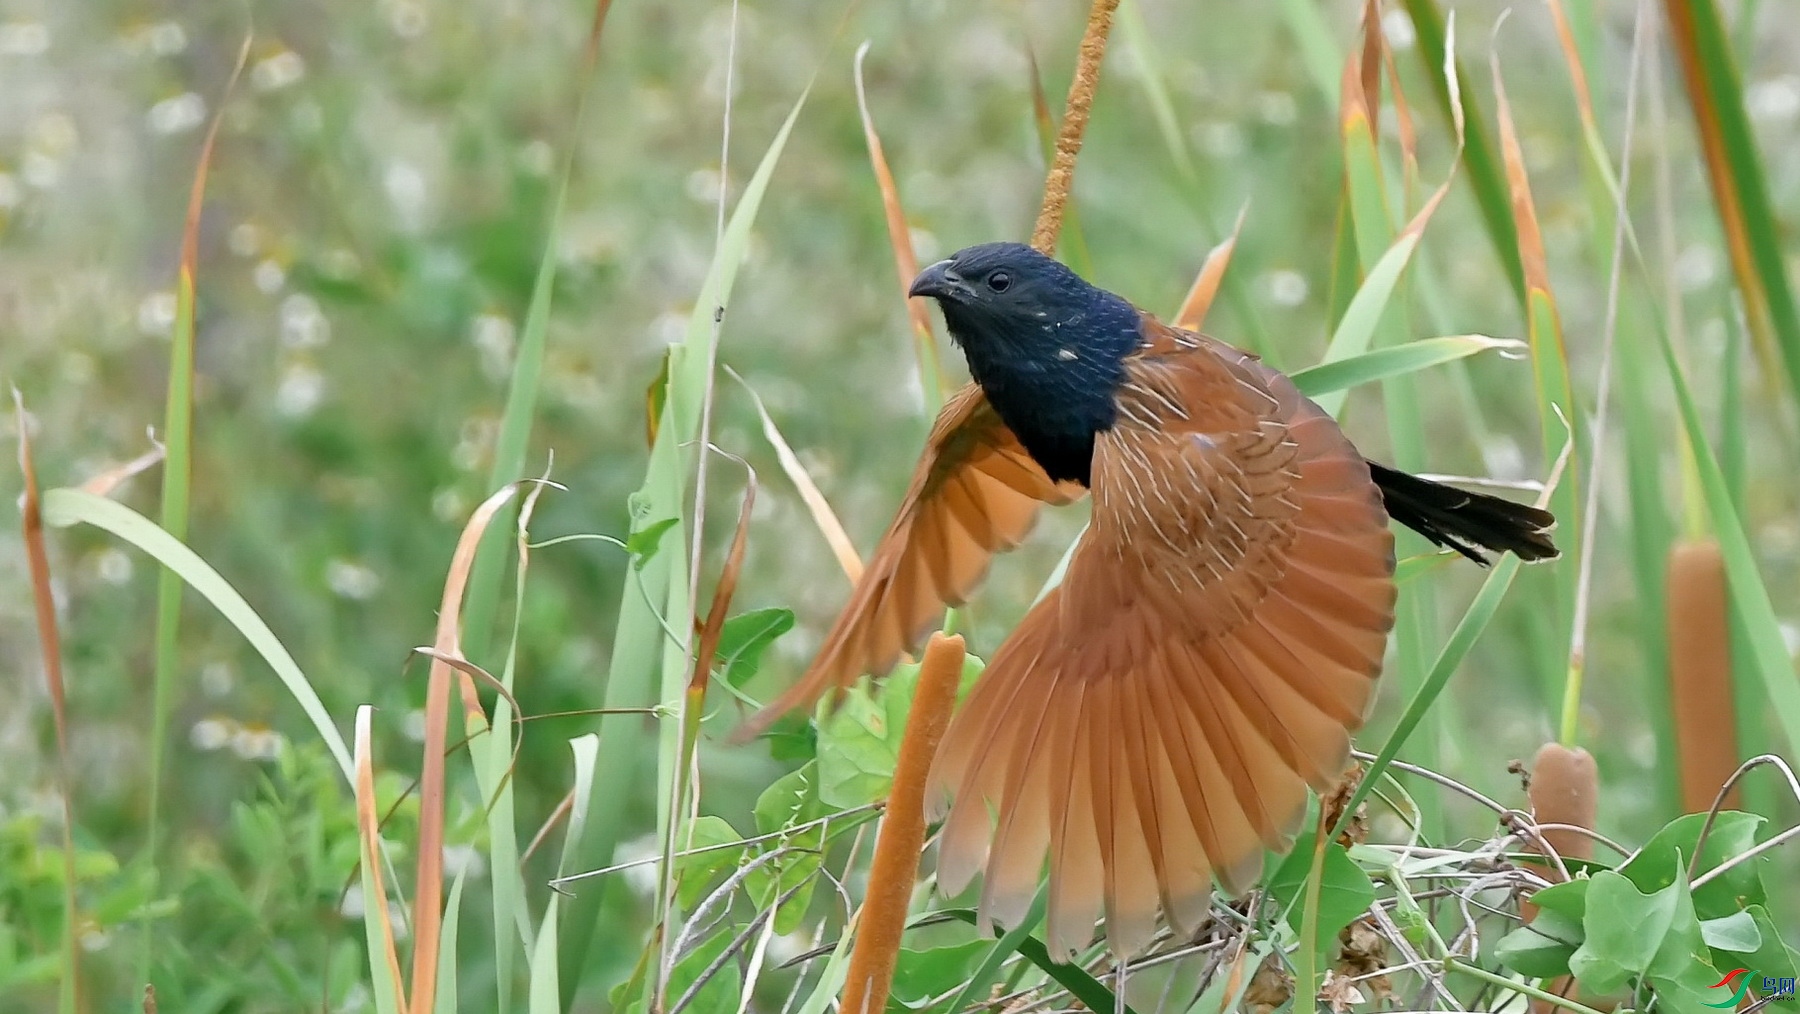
pixel 1464 521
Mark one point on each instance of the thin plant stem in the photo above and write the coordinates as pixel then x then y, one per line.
pixel 1061 178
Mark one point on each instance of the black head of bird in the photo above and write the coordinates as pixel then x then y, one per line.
pixel 1046 346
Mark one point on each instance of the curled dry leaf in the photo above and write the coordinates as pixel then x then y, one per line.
pixel 1270 988
pixel 107 480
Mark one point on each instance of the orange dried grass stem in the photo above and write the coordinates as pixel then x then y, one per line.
pixel 895 866
pixel 1700 673
pixel 1074 126
pixel 37 559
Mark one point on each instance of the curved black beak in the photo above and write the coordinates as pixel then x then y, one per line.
pixel 939 281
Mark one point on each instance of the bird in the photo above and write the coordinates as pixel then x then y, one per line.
pixel 1155 722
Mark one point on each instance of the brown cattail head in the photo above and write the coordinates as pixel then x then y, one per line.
pixel 895 866
pixel 1565 789
pixel 1700 673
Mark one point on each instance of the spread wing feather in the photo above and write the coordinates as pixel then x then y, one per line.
pixel 975 493
pixel 1154 723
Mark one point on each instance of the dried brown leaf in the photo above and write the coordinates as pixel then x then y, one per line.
pixel 824 518
pixel 1212 273
pixel 1531 238
pixel 368 825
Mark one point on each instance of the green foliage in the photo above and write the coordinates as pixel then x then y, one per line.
pixel 1643 925
pixel 418 274
pixel 859 741
pixel 1344 892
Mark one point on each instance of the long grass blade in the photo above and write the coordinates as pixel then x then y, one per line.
pixel 1740 191
pixel 1557 412
pixel 447 958
pixel 548 990
pixel 906 262
pixel 1353 333
pixel 178 439
pixel 641 654
pixel 528 368
pixel 824 518
pixel 1486 176
pixel 65 507
pixel 1397 361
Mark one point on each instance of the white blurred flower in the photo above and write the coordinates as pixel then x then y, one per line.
pixel 703 185
pixel 1696 267
pixel 278 71
pixel 641 877
pixel 1774 99
pixel 405 186
pixel 217 678
pixel 464 860
pixel 268 276
pixel 1285 287
pixel 1221 138
pixel 351 580
pixel 1276 108
pixel 407 18
pixel 494 337
pixel 1505 459
pixel 257 743
pixel 1397 28
pixel 211 733
pixel 352 906
pixel 300 391
pixel 156 314
pixel 303 324
pixel 473 444
pixel 246 239
pixel 40 170
pixel 340 263
pixel 669 327
pixel 24 38
pixel 166 38
pixel 413 725
pixel 182 113
pixel 113 566
pixel 449 505
pixel 94 938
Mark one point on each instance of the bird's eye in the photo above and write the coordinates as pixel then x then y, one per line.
pixel 999 281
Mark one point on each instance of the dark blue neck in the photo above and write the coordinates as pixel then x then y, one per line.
pixel 1053 379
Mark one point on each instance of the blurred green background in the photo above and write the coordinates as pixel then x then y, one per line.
pixel 377 208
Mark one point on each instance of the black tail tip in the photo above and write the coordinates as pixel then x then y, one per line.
pixel 1464 521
